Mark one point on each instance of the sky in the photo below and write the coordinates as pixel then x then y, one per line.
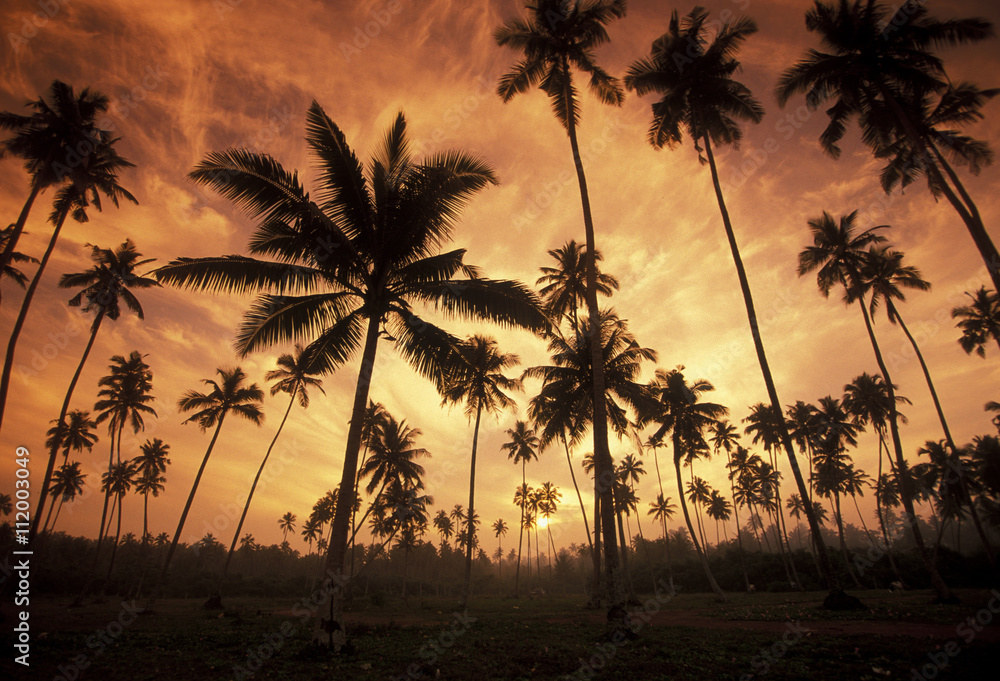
pixel 187 78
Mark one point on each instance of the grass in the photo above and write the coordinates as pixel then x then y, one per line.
pixel 547 638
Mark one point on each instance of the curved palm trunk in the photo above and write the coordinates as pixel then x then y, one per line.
pixel 104 510
pixel 828 574
pixel 118 534
pixel 471 526
pixel 618 618
pixel 22 219
pixel 8 365
pixel 861 517
pixel 902 470
pixel 955 462
pixel 583 511
pixel 253 487
pixel 52 529
pixel 520 533
pixel 687 519
pixel 54 451
pixel 624 543
pixel 843 543
pixel 329 631
pixel 187 505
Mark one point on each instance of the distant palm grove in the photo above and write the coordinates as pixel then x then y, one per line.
pixel 359 264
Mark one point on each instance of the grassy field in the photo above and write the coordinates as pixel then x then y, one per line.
pixel 753 636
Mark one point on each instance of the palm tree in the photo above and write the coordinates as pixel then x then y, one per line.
pixel 67 483
pixel 499 530
pixel 88 183
pixel 557 36
pixel 117 481
pixel 522 448
pixel 375 414
pixel 549 497
pixel 444 526
pixel 228 395
pixel 564 287
pixel 59 132
pixel 149 465
pixel 478 381
pixel 522 497
pixel 679 412
pixel 287 524
pixel 73 434
pixel 880 77
pixel 311 531
pixel 9 271
pixel 350 269
pixel 720 510
pixel 701 96
pixel 837 255
pixel 293 377
pixel 105 286
pixel 979 321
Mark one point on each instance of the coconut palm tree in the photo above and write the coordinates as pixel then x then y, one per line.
pixel 478 381
pixel 374 415
pixel 557 37
pixel 350 269
pixel 392 460
pixel 287 524
pixel 310 532
pixel 499 531
pixel 878 67
pixel 564 287
pixel 123 400
pixel 151 463
pixel 58 133
pixel 678 411
pixel 293 377
pixel 979 321
pixel 444 526
pixel 9 271
pixel 74 433
pixel 67 483
pixel 700 95
pixel 549 497
pixel 720 510
pixel 117 481
pixel 837 256
pixel 229 395
pixel 522 498
pixel 106 285
pixel 99 176
pixel 522 448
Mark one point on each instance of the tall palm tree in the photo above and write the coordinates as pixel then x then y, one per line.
pixel 556 37
pixel 392 460
pixel 117 481
pixel 477 380
pixel 67 483
pixel 679 412
pixel 229 395
pixel 522 498
pixel 726 438
pixel 73 434
pixel 499 531
pixel 878 66
pixel 374 416
pixel 287 524
pixel 979 321
pixel 100 176
pixel 549 497
pixel 700 95
pixel 564 287
pixel 151 463
pixel 522 448
pixel 294 378
pixel 9 271
pixel 123 400
pixel 348 270
pixel 837 256
pixel 720 510
pixel 106 285
pixel 310 532
pixel 59 132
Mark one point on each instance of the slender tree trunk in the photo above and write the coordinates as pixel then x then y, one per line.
pixel 329 630
pixel 902 470
pixel 471 534
pixel 618 618
pixel 187 504
pixel 118 534
pixel 881 515
pixel 520 533
pixel 687 519
pixel 583 511
pixel 54 450
pixel 955 461
pixel 625 549
pixel 739 528
pixel 861 517
pixel 8 365
pixel 253 487
pixel 107 499
pixel 52 529
pixel 828 574
pixel 843 543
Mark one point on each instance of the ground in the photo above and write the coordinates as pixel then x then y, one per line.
pixel 752 636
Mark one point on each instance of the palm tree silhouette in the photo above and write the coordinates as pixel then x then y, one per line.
pixel 73 434
pixel 87 184
pixel 564 287
pixel 880 77
pixel 294 378
pixel 228 395
pixel 838 256
pixel 678 411
pixel 117 481
pixel 701 96
pixel 105 286
pixel 499 530
pixel 67 483
pixel 522 448
pixel 123 399
pixel 478 381
pixel 287 524
pixel 9 271
pixel 349 270
pixel 979 321
pixel 151 463
pixel 556 37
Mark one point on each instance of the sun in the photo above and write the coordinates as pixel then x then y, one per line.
pixel 543 523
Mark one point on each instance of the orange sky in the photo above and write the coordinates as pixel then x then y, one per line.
pixel 202 76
